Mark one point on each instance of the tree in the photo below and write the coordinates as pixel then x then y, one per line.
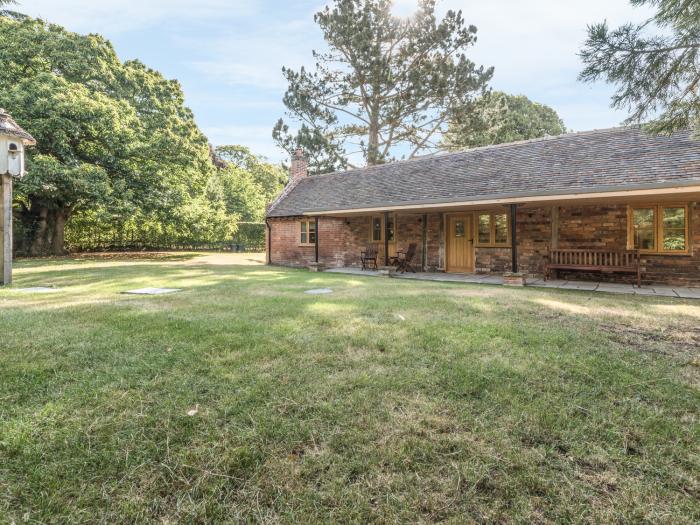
pixel 5 3
pixel 110 135
pixel 657 75
pixel 497 118
pixel 269 178
pixel 387 86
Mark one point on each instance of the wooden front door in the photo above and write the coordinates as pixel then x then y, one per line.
pixel 377 232
pixel 460 243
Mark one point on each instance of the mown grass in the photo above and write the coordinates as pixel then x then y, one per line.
pixel 388 401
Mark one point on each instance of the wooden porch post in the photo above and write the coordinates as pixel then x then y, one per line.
pixel 555 227
pixel 514 237
pixel 424 250
pixel 386 238
pixel 316 243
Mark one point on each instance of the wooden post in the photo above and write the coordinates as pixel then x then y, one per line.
pixel 6 227
pixel 555 227
pixel 386 238
pixel 514 237
pixel 441 256
pixel 316 244
pixel 424 250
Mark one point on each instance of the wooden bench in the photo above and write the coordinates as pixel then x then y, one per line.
pixel 607 261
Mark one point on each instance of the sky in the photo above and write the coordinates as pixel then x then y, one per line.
pixel 228 54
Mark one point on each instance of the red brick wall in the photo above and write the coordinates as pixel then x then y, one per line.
pixel 606 227
pixel 342 239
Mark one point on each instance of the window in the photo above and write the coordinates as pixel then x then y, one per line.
pixel 459 228
pixel 492 229
pixel 377 229
pixel 308 232
pixel 658 228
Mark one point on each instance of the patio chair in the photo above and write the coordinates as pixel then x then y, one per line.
pixel 369 257
pixel 403 260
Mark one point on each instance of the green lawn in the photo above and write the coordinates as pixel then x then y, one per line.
pixel 388 401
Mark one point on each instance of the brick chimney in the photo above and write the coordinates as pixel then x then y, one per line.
pixel 299 168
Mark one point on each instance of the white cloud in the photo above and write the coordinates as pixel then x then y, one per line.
pixel 235 45
pixel 113 16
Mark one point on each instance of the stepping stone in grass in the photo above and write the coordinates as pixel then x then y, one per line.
pixel 153 291
pixel 39 289
pixel 319 291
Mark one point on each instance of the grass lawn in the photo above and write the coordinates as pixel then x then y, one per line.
pixel 244 399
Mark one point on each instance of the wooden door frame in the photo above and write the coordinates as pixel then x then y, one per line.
pixel 446 229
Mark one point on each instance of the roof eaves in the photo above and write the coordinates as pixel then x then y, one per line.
pixel 518 195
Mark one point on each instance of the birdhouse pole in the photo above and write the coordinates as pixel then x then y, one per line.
pixel 13 141
pixel 6 226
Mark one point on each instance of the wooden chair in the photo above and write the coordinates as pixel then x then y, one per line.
pixel 369 257
pixel 403 260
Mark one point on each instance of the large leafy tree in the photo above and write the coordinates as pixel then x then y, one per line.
pixel 112 136
pixel 386 86
pixel 497 118
pixel 654 65
pixel 268 178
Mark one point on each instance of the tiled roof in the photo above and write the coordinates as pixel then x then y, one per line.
pixel 585 162
pixel 10 127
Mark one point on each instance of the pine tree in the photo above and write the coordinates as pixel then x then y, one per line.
pixel 656 75
pixel 385 87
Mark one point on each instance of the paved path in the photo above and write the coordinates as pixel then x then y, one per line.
pixel 592 286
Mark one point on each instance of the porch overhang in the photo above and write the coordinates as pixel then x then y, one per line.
pixel 666 191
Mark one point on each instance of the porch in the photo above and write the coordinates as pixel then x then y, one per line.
pixel 600 241
pixel 682 292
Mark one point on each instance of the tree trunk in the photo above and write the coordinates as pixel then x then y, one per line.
pixel 43 229
pixel 59 228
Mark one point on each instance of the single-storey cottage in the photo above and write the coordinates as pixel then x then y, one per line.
pixel 594 203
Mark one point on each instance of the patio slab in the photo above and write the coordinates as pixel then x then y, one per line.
pixel 319 291
pixel 688 293
pixel 615 288
pixel 153 291
pixel 666 291
pixel 589 286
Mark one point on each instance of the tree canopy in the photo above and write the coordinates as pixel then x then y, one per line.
pixel 497 118
pixel 111 134
pixel 654 65
pixel 245 182
pixel 385 87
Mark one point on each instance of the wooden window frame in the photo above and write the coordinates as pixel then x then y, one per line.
pixel 392 217
pixel 492 235
pixel 658 228
pixel 310 223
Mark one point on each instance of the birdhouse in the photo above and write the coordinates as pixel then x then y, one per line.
pixel 13 141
